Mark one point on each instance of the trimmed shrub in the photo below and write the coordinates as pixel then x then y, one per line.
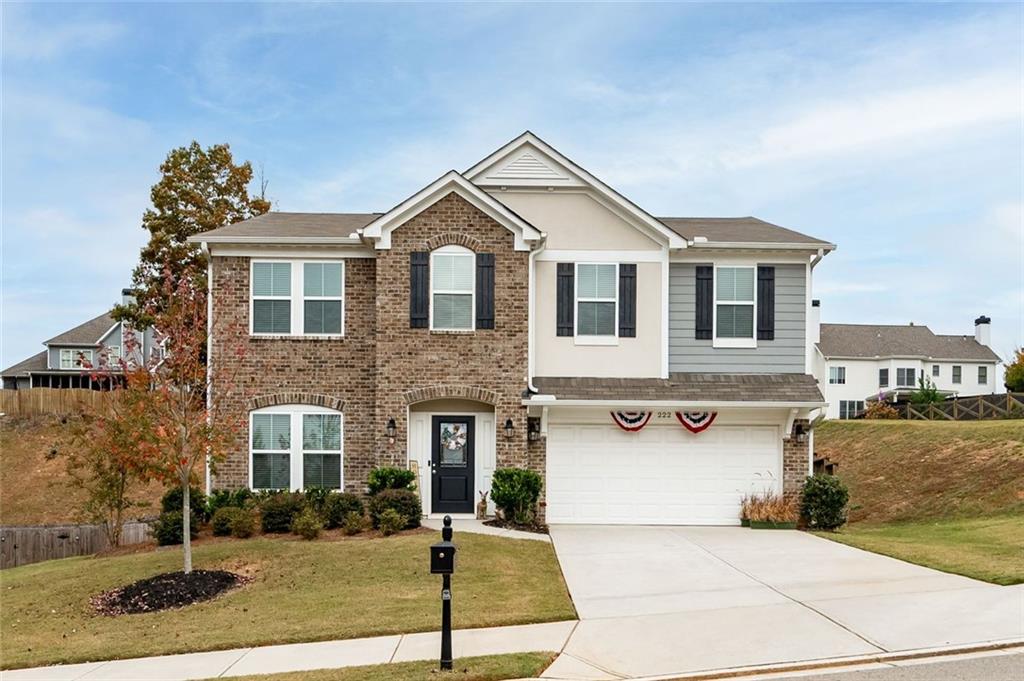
pixel 515 492
pixel 171 501
pixel 243 525
pixel 307 524
pixel 167 528
pixel 823 502
pixel 389 477
pixel 354 523
pixel 226 498
pixel 316 499
pixel 403 501
pixel 337 506
pixel 222 520
pixel 390 522
pixel 277 511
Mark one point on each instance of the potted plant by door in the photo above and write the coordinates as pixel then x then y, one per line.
pixel 774 512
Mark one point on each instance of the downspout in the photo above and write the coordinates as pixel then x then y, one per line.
pixel 209 351
pixel 530 326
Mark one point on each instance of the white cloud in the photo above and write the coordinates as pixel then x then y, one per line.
pixel 25 38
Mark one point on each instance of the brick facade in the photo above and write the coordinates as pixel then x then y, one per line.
pixel 796 464
pixel 382 365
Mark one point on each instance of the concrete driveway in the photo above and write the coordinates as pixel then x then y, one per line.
pixel 671 600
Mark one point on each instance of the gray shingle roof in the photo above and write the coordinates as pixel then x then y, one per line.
pixel 36 362
pixel 696 387
pixel 88 333
pixel 293 225
pixel 742 230
pixel 880 340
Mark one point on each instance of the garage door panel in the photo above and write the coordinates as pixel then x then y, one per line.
pixel 661 475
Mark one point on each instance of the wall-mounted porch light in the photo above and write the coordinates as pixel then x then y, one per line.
pixel 391 431
pixel 509 429
pixel 533 428
pixel 801 432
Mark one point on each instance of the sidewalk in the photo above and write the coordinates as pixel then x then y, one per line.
pixel 308 656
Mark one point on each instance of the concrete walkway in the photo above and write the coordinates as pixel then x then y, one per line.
pixel 307 656
pixel 678 600
pixel 478 527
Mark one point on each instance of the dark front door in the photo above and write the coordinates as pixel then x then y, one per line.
pixel 451 464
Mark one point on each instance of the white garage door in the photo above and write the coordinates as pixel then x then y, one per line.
pixel 662 475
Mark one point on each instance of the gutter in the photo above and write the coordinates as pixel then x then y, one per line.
pixel 821 248
pixel 209 352
pixel 530 314
pixel 339 240
pixel 551 401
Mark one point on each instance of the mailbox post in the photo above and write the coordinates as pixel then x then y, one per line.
pixel 442 562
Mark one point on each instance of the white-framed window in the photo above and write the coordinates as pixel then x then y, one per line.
pixel 597 299
pixel 837 375
pixel 297 298
pixel 295 447
pixel 452 289
pixel 883 378
pixel 113 355
pixel 849 409
pixel 957 373
pixel 906 377
pixel 935 370
pixel 73 358
pixel 982 375
pixel 735 306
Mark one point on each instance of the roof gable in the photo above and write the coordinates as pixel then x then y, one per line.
pixel 528 161
pixel 89 333
pixel 379 231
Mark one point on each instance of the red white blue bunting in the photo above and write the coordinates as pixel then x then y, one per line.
pixel 696 421
pixel 631 421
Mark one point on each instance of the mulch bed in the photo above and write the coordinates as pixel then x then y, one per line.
pixel 536 528
pixel 169 590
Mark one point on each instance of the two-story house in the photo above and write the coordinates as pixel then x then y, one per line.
pixel 520 313
pixel 857 363
pixel 69 356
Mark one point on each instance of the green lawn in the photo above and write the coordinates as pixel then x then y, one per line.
pixel 301 591
pixel 486 668
pixel 990 549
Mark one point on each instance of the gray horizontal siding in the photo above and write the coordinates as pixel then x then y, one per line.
pixel 785 354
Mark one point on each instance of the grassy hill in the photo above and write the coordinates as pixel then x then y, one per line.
pixel 927 470
pixel 34 486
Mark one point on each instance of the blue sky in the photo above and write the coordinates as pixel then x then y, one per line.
pixel 895 131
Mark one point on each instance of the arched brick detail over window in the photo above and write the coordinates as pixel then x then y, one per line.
pixel 312 399
pixel 453 239
pixel 439 392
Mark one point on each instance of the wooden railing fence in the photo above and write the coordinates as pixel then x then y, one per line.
pixel 32 544
pixel 978 408
pixel 59 401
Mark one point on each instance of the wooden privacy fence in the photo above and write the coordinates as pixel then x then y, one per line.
pixel 979 408
pixel 32 544
pixel 35 401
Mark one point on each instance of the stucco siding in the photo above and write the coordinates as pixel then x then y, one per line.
pixel 785 354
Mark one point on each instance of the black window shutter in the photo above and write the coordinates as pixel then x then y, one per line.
pixel 566 293
pixel 419 290
pixel 765 302
pixel 627 300
pixel 485 290
pixel 705 302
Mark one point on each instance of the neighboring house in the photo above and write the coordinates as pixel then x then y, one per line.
pixel 856 363
pixel 497 318
pixel 64 362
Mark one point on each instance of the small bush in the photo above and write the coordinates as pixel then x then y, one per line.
pixel 403 501
pixel 881 410
pixel 389 477
pixel 307 524
pixel 226 498
pixel 171 501
pixel 167 528
pixel 823 503
pixel 243 525
pixel 391 521
pixel 515 492
pixel 277 511
pixel 354 523
pixel 316 499
pixel 773 508
pixel 223 519
pixel 337 506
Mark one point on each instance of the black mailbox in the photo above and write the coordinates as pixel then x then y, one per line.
pixel 442 558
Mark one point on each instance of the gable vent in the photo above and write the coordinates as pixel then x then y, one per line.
pixel 528 167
